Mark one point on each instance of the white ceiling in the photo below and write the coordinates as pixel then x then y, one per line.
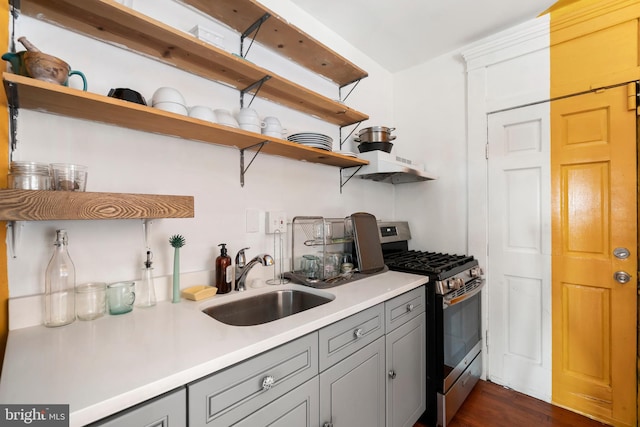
pixel 399 34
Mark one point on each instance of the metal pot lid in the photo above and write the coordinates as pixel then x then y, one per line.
pixel 376 129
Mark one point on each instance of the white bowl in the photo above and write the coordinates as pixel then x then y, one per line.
pixel 172 107
pixel 231 125
pixel 250 128
pixel 272 128
pixel 273 134
pixel 224 117
pixel 203 113
pixel 250 120
pixel 167 94
pixel 248 114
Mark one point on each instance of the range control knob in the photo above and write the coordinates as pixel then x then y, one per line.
pixel 455 283
pixel 475 272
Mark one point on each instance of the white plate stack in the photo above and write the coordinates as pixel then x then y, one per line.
pixel 315 140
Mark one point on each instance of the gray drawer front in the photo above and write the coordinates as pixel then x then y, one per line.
pixel 230 395
pixel 340 339
pixel 403 308
pixel 169 410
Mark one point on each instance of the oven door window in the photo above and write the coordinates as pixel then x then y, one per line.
pixel 461 331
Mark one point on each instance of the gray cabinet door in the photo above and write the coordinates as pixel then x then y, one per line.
pixel 352 392
pixel 169 410
pixel 298 408
pixel 406 373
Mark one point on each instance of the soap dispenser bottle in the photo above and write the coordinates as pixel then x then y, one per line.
pixel 223 266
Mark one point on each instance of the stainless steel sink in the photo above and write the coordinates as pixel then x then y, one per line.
pixel 266 307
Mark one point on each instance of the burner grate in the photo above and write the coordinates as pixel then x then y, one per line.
pixel 426 262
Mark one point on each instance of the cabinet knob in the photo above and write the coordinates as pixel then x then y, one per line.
pixel 392 374
pixel 268 382
pixel 358 333
pixel 410 307
pixel 327 424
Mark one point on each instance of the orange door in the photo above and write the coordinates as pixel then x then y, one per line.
pixel 594 217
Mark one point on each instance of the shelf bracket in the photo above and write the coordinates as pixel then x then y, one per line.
pixel 255 27
pixel 342 141
pixel 146 232
pixel 356 83
pixel 343 183
pixel 244 170
pixel 15 234
pixel 14 106
pixel 257 86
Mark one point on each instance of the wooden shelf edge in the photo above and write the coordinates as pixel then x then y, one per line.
pixel 282 37
pixel 112 23
pixel 50 98
pixel 36 205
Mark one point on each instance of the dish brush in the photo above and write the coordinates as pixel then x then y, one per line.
pixel 176 241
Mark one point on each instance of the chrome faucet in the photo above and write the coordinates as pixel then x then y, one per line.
pixel 243 267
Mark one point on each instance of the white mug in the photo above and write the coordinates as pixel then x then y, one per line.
pixel 272 121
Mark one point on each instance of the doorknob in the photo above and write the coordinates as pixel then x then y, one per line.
pixel 622 277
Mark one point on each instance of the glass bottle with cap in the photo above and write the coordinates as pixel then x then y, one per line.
pixel 59 285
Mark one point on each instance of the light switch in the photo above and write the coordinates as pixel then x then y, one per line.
pixel 253 220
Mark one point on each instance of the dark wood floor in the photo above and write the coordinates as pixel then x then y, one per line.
pixel 491 405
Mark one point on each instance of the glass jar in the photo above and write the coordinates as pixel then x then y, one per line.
pixel 91 300
pixel 29 176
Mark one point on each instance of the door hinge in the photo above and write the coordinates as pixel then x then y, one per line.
pixel 486 151
pixel 486 340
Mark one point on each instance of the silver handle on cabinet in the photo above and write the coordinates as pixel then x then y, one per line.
pixel 392 374
pixel 358 333
pixel 268 382
pixel 410 307
pixel 622 277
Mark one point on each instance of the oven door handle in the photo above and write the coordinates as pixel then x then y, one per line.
pixel 448 302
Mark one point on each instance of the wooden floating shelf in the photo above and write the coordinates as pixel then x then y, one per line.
pixel 32 94
pixel 36 205
pixel 118 25
pixel 282 37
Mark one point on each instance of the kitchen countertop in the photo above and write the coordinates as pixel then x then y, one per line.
pixel 103 366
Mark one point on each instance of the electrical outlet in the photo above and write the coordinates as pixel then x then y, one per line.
pixel 276 222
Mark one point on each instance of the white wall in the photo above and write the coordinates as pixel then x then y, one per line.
pixel 431 121
pixel 122 160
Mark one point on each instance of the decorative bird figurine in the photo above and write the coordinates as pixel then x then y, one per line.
pixel 176 241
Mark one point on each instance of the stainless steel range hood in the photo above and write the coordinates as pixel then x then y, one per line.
pixel 386 167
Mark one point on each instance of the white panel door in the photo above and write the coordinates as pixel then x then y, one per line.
pixel 519 260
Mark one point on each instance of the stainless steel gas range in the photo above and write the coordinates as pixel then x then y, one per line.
pixel 454 338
